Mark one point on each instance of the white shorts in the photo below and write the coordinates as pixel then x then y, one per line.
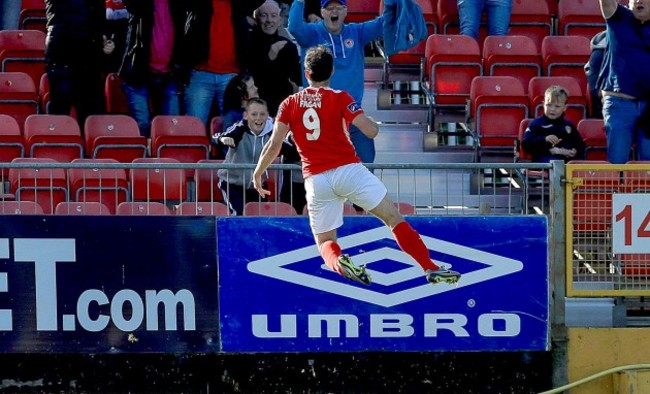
pixel 326 193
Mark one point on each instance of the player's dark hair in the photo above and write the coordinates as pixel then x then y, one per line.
pixel 319 63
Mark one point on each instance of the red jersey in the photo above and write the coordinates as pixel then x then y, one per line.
pixel 319 119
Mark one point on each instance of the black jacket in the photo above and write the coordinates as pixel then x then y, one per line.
pixel 534 141
pixel 272 76
pixel 74 30
pixel 135 66
pixel 197 35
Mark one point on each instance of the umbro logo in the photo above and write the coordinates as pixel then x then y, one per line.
pixel 280 267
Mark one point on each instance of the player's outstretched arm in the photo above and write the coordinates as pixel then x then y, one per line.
pixel 368 127
pixel 269 152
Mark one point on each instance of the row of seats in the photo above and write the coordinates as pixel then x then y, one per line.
pixel 498 104
pixel 116 137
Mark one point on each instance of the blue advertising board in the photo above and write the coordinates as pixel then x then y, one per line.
pixel 276 294
pixel 108 284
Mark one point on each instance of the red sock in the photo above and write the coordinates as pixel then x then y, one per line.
pixel 410 242
pixel 330 251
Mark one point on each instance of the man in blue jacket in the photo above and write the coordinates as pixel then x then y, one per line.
pixel 346 41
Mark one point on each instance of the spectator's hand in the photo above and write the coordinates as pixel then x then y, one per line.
pixel 313 18
pixel 109 46
pixel 571 152
pixel 552 139
pixel 228 141
pixel 276 48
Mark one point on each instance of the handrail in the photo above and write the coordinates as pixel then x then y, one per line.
pixel 630 367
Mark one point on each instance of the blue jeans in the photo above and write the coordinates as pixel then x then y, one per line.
pixel 364 146
pixel 498 16
pixel 622 126
pixel 203 89
pixel 10 18
pixel 160 92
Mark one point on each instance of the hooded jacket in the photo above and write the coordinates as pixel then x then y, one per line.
pixel 247 150
pixel 404 25
pixel 74 31
pixel 347 47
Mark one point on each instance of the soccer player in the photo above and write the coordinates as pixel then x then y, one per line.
pixel 318 117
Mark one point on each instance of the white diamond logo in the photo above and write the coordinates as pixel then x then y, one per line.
pixel 278 267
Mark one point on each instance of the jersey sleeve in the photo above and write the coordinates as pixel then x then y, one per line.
pixel 283 114
pixel 350 108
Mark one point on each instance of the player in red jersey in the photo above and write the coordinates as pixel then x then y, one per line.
pixel 318 117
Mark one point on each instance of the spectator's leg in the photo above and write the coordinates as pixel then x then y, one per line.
pixel 137 98
pixel 469 13
pixel 620 116
pixel 59 76
pixel 221 81
pixel 498 16
pixel 643 134
pixel 199 95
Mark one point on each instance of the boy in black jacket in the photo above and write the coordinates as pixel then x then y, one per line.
pixel 551 136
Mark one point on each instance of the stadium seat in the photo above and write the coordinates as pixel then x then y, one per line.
pixel 274 208
pixel 515 56
pixel 592 197
pixel 579 18
pixel 20 208
pixel 23 51
pixel 532 19
pixel 108 186
pixel 576 103
pixel 498 104
pixel 46 186
pixel 143 209
pixel 593 133
pixel 361 11
pixel 12 143
pixel 115 97
pixel 216 126
pixel 566 56
pixel 452 61
pixel 81 208
pixel 44 94
pixel 32 15
pixel 525 157
pixel 202 208
pixel 158 184
pixel 179 137
pixel 206 182
pixel 18 96
pixel 53 136
pixel 114 136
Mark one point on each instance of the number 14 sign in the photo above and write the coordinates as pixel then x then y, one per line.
pixel 631 223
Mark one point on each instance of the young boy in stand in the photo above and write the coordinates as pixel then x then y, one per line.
pixel 551 136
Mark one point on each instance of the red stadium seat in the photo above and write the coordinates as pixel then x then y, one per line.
pixel 53 136
pixel 46 186
pixel 576 103
pixel 515 56
pixel 179 137
pixel 532 19
pixel 32 15
pixel 593 133
pixel 579 18
pixel 158 184
pixel 108 186
pixel 361 11
pixel 523 155
pixel 44 94
pixel 143 209
pixel 206 182
pixel 566 56
pixel 12 143
pixel 81 208
pixel 498 104
pixel 20 208
pixel 114 136
pixel 194 208
pixel 216 126
pixel 274 208
pixel 23 51
pixel 18 96
pixel 115 97
pixel 452 61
